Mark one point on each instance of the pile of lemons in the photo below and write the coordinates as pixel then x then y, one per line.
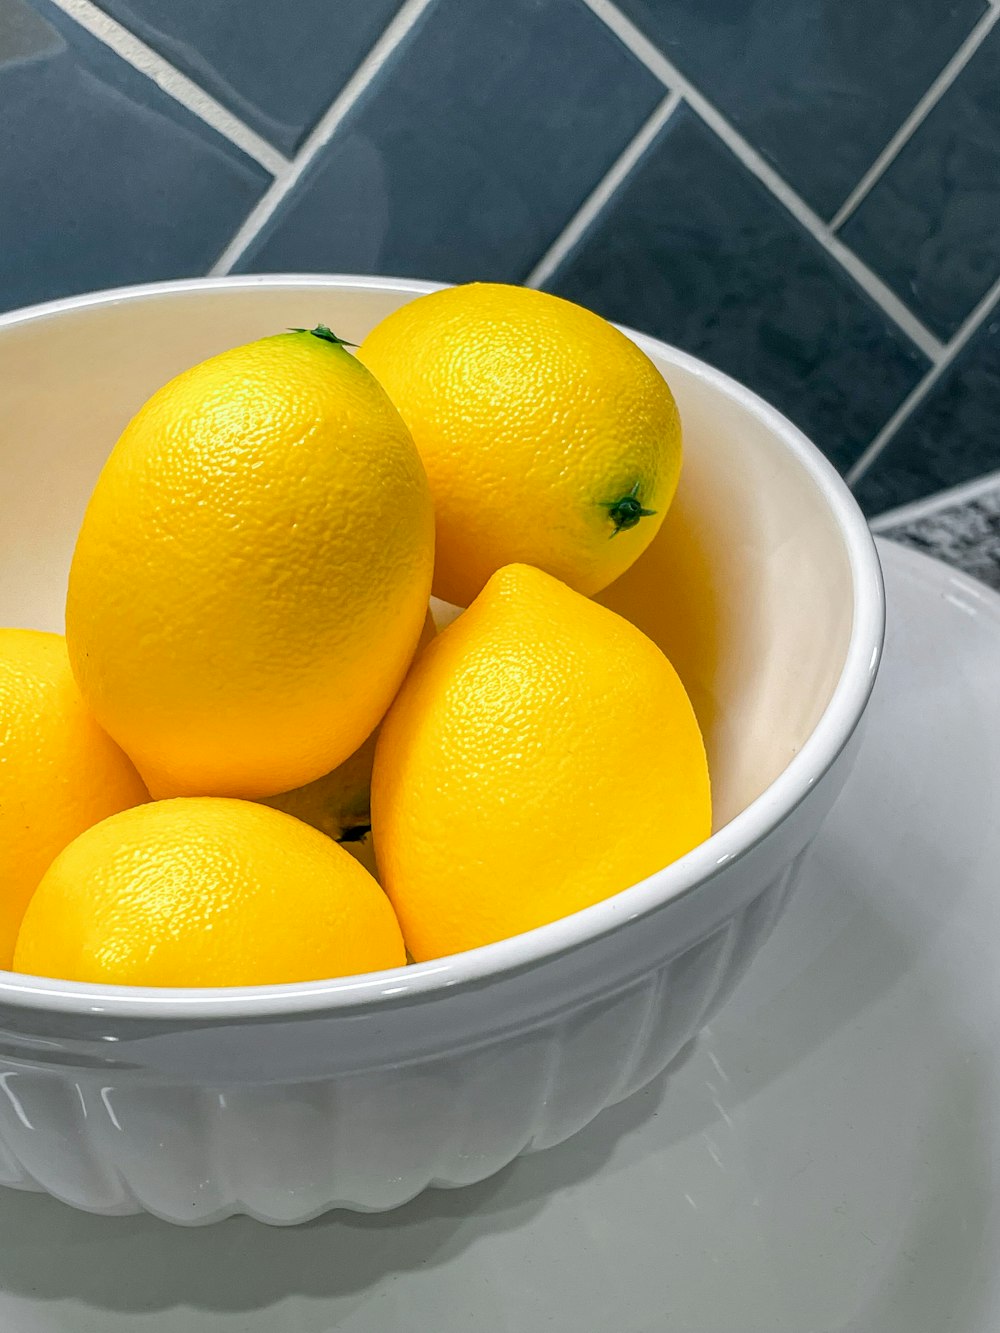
pixel 251 694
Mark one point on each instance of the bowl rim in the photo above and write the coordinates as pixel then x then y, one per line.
pixel 421 981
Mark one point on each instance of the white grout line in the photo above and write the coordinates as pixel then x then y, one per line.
pixel 932 504
pixel 916 395
pixel 177 85
pixel 941 354
pixel 286 180
pixel 599 196
pixel 919 113
pixel 870 282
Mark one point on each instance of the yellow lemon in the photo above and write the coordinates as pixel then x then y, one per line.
pixel 549 438
pixel 59 772
pixel 541 756
pixel 205 891
pixel 339 803
pixel 253 570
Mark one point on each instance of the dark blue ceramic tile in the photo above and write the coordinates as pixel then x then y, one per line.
pixel 467 157
pixel 106 180
pixel 931 224
pixel 695 250
pixel 277 64
pixel 953 436
pixel 818 86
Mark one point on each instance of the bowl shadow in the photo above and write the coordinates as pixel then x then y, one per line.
pixel 139 1264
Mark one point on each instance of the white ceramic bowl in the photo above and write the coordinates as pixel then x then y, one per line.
pixel 285 1101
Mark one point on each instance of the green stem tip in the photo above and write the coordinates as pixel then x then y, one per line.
pixel 626 512
pixel 326 334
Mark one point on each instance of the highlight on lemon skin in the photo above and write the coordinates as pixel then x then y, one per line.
pixel 541 756
pixel 549 437
pixel 241 609
pixel 206 891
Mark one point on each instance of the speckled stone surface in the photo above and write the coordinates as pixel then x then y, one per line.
pixel 966 535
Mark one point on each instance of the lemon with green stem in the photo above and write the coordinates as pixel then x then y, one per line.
pixel 549 437
pixel 252 573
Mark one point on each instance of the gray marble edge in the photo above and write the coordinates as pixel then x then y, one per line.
pixel 965 534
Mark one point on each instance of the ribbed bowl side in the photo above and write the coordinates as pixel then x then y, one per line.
pixel 114 1143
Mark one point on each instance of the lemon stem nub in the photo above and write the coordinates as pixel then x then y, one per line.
pixel 626 512
pixel 326 334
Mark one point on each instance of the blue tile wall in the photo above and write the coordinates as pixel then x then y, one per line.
pixel 953 436
pixel 521 107
pixel 106 179
pixel 481 129
pixel 818 86
pixel 695 250
pixel 931 225
pixel 277 63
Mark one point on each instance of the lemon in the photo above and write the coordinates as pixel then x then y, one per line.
pixel 339 803
pixel 541 756
pixel 205 891
pixel 549 438
pixel 59 772
pixel 253 570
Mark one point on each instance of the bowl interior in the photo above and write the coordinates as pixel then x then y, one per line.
pixel 747 587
